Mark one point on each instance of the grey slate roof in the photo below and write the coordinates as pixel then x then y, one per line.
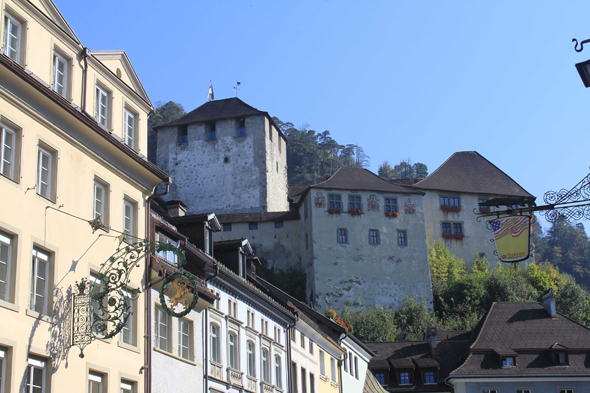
pixel 229 108
pixel 527 331
pixel 296 191
pixel 468 171
pixel 360 179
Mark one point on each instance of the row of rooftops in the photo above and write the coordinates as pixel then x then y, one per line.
pixel 512 339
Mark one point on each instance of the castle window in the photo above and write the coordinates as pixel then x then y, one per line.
pixel 280 146
pixel 446 227
pixel 226 227
pixel 334 201
pixel 508 361
pixel 182 135
pixel 402 238
pixel 242 128
pixel 270 133
pixel 373 236
pixel 211 133
pixel 253 226
pixel 342 235
pixel 449 201
pixel 278 224
pixel 429 377
pixel 390 205
pixel 354 202
pixel 457 228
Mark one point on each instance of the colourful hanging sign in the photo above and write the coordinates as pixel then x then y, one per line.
pixel 512 235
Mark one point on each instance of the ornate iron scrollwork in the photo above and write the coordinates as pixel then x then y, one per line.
pixel 103 307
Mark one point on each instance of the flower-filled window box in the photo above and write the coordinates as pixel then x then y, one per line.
pixel 392 214
pixel 453 209
pixel 459 236
pixel 341 322
pixel 448 236
pixel 334 210
pixel 355 212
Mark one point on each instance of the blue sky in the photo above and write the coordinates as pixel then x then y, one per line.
pixel 402 79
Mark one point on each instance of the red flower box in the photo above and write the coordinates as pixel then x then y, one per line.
pixel 355 212
pixel 448 236
pixel 341 323
pixel 391 214
pixel 334 210
pixel 459 236
pixel 454 209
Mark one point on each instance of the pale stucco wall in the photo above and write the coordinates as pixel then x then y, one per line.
pixel 382 274
pixel 477 235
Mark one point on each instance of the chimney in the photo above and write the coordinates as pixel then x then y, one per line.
pixel 549 303
pixel 176 208
pixel 431 333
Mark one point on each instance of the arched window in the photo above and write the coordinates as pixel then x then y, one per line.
pixel 233 351
pixel 278 372
pixel 214 334
pixel 265 366
pixel 251 360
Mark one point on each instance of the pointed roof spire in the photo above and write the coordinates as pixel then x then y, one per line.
pixel 210 95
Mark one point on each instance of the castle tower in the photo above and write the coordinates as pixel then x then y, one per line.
pixel 227 157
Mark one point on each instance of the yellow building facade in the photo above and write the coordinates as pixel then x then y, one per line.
pixel 73 135
pixel 328 359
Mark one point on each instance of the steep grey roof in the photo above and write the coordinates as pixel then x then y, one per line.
pixel 229 108
pixel 360 179
pixel 526 330
pixel 468 171
pixel 296 191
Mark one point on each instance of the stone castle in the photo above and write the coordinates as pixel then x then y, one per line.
pixel 356 236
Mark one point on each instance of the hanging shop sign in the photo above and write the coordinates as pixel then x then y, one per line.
pixel 512 237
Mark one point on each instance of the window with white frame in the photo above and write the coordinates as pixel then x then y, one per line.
pixel 5 267
pixel 214 341
pixel 37 377
pixel 333 369
pixel 302 340
pixel 232 348
pixel 278 372
pixel 184 339
pixel 232 308
pixel 167 255
pixel 277 334
pixel 96 383
pixel 41 283
pixel 162 330
pixel 508 361
pixel 264 326
pixel 128 334
pixel 101 201
pixel 60 74
pixel 2 368
pixel 322 363
pixel 250 319
pixel 351 361
pixel 251 359
pixel 102 106
pixel 129 223
pixel 129 128
pixel 46 173
pixel 127 386
pixel 13 30
pixel 356 367
pixel 9 151
pixel 265 366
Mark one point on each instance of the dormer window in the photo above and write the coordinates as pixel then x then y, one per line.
pixel 560 358
pixel 380 376
pixel 242 128
pixel 508 361
pixel 404 378
pixel 429 377
pixel 168 256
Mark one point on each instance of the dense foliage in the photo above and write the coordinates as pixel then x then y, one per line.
pixel 313 156
pixel 403 170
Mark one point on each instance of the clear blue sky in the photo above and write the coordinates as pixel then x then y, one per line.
pixel 418 79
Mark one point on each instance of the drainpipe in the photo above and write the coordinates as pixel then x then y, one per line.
pixel 85 53
pixel 148 298
pixel 289 363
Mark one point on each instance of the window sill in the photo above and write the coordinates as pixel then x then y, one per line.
pixel 41 317
pixel 10 306
pixel 175 357
pixel 128 347
pixel 44 197
pixel 324 378
pixel 9 178
pixel 334 384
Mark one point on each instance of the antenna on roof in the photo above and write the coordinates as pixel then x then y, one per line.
pixel 237 87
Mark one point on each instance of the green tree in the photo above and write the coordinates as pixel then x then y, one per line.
pixel 386 171
pixel 421 170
